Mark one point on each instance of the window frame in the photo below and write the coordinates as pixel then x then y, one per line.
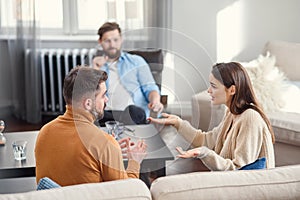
pixel 70 23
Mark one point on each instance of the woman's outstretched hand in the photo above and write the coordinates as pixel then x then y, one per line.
pixel 166 119
pixel 187 154
pixel 199 152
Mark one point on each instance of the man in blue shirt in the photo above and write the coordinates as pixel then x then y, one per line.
pixel 131 87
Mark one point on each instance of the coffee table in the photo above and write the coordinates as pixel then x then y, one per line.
pixel 11 168
pixel 158 152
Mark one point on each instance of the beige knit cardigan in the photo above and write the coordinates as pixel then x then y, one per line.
pixel 237 141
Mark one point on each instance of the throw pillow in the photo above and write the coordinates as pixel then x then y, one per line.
pixel 268 82
pixel 46 183
pixel 260 163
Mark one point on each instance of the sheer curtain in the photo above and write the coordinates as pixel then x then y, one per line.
pixel 23 42
pixel 153 32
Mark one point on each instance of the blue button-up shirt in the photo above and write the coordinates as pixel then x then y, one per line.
pixel 136 77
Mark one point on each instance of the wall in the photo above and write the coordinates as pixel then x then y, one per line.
pixel 199 36
pixel 249 26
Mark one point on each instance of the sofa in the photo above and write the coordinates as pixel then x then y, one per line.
pixel 120 189
pixel 186 179
pixel 285 120
pixel 279 183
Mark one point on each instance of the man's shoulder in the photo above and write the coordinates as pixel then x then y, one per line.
pixel 133 58
pixel 50 124
pixel 49 130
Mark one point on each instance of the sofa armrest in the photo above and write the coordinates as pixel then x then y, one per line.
pixel 204 115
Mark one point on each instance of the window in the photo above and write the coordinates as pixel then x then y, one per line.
pixel 72 17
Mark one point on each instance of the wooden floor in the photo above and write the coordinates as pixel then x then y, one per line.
pixel 13 124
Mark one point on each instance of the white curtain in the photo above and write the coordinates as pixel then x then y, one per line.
pixel 25 73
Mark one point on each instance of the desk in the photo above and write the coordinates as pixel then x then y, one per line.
pixel 157 150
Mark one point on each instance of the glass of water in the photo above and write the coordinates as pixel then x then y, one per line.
pixel 119 130
pixel 111 126
pixel 19 149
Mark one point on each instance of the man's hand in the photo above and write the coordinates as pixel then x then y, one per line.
pixel 125 144
pixel 99 61
pixel 138 152
pixel 156 107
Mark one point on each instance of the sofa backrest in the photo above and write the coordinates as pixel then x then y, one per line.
pixel 120 189
pixel 277 183
pixel 287 57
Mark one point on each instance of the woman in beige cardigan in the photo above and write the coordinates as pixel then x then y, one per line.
pixel 245 133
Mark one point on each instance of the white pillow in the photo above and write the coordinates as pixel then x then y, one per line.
pixel 296 83
pixel 291 97
pixel 268 82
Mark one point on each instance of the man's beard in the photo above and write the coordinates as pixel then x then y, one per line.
pixel 113 55
pixel 97 114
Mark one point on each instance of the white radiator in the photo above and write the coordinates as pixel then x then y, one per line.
pixel 55 64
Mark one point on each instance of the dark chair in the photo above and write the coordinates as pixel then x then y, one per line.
pixel 155 59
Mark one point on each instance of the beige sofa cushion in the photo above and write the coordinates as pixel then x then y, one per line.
pixel 278 183
pixel 121 189
pixel 287 57
pixel 286 127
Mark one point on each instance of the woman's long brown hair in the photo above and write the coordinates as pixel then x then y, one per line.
pixel 234 73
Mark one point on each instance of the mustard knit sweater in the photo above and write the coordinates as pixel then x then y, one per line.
pixel 72 150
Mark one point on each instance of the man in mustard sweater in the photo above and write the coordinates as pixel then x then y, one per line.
pixel 71 149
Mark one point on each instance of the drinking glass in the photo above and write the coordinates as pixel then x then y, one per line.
pixel 19 148
pixel 111 126
pixel 119 130
pixel 2 138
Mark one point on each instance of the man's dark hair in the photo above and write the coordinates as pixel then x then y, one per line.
pixel 82 81
pixel 108 26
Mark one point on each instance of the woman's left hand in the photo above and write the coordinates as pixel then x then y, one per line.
pixel 199 152
pixel 192 153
